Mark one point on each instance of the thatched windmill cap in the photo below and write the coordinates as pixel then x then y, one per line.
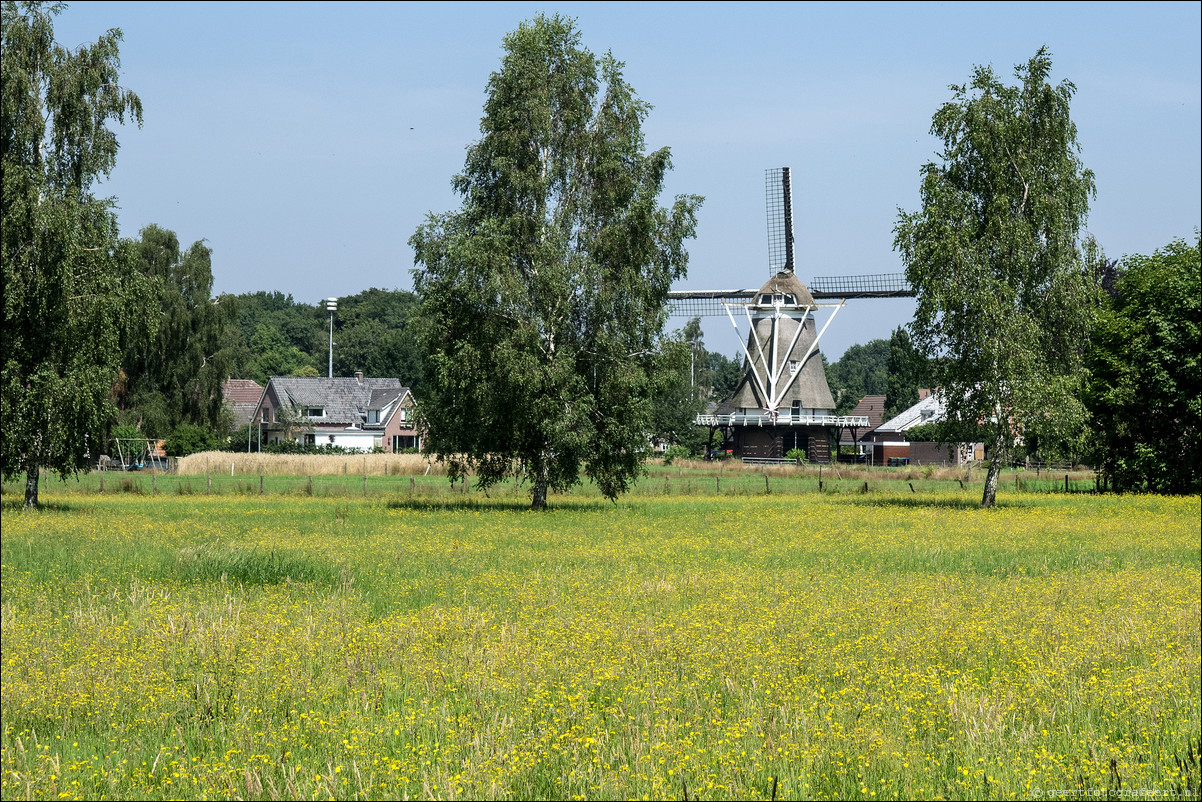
pixel 785 283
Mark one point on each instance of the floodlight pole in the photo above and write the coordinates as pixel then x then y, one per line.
pixel 692 360
pixel 332 306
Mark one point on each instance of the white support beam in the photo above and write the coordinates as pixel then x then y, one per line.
pixel 743 345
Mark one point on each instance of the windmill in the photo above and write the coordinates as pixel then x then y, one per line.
pixel 783 400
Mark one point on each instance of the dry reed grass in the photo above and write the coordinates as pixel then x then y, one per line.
pixel 951 473
pixel 242 464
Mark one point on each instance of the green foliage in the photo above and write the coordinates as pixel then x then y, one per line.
pixel 293 447
pixel 374 335
pixel 1145 390
pixel 188 438
pixel 176 377
pixel 926 433
pixel 676 406
pixel 1005 293
pixel 673 453
pixel 905 371
pixel 241 437
pixel 724 375
pixel 273 355
pixel 798 455
pixel 127 432
pixel 372 332
pixel 861 371
pixel 72 294
pixel 542 297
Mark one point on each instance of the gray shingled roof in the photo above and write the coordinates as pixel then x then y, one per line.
pixel 928 410
pixel 345 399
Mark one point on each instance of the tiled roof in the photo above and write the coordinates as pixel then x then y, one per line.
pixel 241 391
pixel 344 399
pixel 872 407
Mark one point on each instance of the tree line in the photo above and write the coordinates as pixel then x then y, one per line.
pixel 173 379
pixel 536 332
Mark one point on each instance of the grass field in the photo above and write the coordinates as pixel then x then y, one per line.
pixel 700 638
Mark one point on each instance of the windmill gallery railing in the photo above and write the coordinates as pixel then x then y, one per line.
pixel 782 419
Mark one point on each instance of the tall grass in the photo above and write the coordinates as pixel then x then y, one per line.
pixel 253 464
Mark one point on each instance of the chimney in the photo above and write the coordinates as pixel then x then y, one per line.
pixel 922 394
pixel 359 376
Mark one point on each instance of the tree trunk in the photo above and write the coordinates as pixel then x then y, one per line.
pixel 538 499
pixel 32 472
pixel 995 469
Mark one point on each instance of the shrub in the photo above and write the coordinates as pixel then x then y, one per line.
pixel 189 439
pixel 676 452
pixel 798 455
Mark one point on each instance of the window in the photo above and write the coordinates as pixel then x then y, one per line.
pixel 794 367
pixel 400 442
pixel 373 416
pixel 314 412
pixel 310 440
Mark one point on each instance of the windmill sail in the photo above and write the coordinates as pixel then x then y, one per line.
pixel 778 197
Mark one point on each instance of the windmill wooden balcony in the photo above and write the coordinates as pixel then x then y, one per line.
pixel 784 418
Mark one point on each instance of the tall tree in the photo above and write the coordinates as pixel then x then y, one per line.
pixel 996 257
pixel 725 373
pixel 1145 387
pixel 176 377
pixel 373 335
pixel 861 371
pixel 72 291
pixel 542 298
pixel 903 373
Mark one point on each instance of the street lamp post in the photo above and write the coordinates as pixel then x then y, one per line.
pixel 332 306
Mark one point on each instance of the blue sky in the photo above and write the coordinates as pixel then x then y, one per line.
pixel 306 141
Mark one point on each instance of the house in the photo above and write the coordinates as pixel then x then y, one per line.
pixel 242 396
pixel 351 412
pixel 889 441
pixel 871 407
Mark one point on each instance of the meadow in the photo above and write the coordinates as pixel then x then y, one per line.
pixel 713 635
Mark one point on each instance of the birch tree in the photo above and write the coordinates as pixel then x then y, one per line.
pixel 998 260
pixel 72 292
pixel 542 297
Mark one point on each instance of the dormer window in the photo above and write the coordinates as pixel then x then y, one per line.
pixel 373 416
pixel 778 299
pixel 314 412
